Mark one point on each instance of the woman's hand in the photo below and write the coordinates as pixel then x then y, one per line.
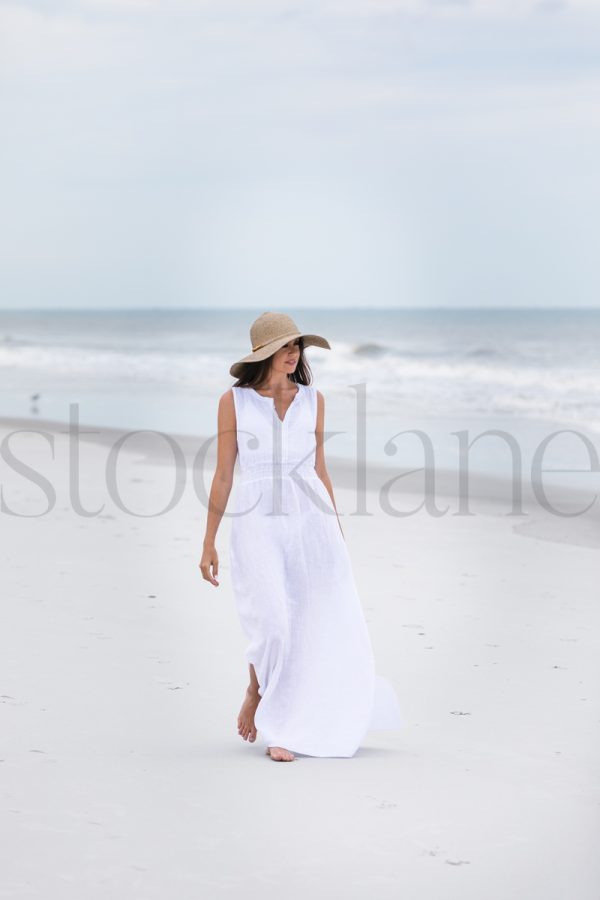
pixel 210 561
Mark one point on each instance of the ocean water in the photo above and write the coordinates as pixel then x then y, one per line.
pixel 526 372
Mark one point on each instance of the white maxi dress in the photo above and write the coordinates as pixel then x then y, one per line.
pixel 295 592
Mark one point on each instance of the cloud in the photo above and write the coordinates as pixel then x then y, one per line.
pixel 138 130
pixel 551 6
pixel 292 9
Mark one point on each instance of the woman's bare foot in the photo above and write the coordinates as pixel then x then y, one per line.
pixel 280 754
pixel 246 727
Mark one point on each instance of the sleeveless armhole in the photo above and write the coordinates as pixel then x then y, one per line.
pixel 237 404
pixel 314 401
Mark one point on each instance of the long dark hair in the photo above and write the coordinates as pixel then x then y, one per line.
pixel 256 373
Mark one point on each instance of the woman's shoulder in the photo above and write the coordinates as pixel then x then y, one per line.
pixel 231 397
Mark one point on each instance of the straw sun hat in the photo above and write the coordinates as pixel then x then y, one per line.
pixel 268 334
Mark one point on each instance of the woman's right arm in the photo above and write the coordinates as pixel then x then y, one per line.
pixel 221 484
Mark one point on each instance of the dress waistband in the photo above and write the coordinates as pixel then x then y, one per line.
pixel 277 470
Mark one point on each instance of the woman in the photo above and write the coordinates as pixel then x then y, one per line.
pixel 313 689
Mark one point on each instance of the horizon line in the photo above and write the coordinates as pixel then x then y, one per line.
pixel 368 308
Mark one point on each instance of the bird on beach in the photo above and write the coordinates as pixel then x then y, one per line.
pixel 34 407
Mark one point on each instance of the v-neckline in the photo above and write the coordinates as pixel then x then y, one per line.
pixel 272 400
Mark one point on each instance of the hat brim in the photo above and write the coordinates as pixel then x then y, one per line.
pixel 314 340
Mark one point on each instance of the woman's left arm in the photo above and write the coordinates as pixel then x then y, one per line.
pixel 320 467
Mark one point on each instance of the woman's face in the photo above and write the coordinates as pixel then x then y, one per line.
pixel 286 358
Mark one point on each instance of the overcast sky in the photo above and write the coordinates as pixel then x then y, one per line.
pixel 267 153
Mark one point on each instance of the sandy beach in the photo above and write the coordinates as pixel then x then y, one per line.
pixel 123 775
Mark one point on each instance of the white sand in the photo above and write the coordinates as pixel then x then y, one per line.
pixel 123 775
